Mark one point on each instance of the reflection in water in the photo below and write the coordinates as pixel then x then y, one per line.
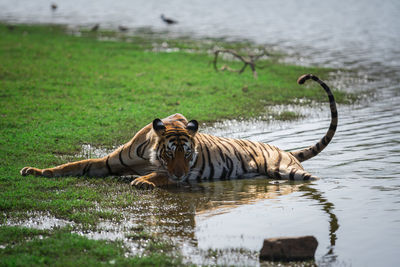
pixel 175 206
pixel 233 217
pixel 328 207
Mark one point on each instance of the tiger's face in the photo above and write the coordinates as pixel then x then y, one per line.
pixel 175 150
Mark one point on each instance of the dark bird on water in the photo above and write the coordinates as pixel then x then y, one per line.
pixel 168 20
pixel 95 28
pixel 53 7
pixel 122 28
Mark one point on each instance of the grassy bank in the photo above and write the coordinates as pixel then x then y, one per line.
pixel 59 91
pixel 31 247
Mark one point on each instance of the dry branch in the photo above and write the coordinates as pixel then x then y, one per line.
pixel 250 60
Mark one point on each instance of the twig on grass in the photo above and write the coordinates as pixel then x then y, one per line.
pixel 250 60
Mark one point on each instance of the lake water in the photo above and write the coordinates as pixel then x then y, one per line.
pixel 354 210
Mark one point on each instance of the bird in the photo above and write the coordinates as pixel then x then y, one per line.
pixel 95 28
pixel 122 28
pixel 168 20
pixel 53 7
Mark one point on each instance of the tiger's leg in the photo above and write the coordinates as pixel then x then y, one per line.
pixel 89 167
pixel 151 180
pixel 118 162
pixel 125 160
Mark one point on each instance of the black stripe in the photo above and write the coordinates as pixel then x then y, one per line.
pixel 230 166
pixel 222 144
pixel 242 162
pixel 334 114
pixel 268 147
pixel 244 146
pixel 129 152
pixel 228 160
pixel 274 148
pixel 238 155
pixel 278 163
pixel 219 142
pixel 86 169
pixel 292 173
pixel 223 174
pixel 211 174
pixel 277 175
pixel 193 148
pixel 183 139
pixel 291 161
pixel 195 162
pixel 212 170
pixel 144 149
pixel 108 166
pixel 176 134
pixel 262 148
pixel 323 141
pixel 127 166
pixel 120 158
pixel 251 147
pixel 141 148
pixel 202 163
pixel 161 151
pixel 265 162
pixel 176 129
pixel 318 146
pixel 221 154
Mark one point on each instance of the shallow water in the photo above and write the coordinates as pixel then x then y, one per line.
pixel 360 186
pixel 354 210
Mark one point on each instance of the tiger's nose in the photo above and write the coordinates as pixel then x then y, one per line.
pixel 179 173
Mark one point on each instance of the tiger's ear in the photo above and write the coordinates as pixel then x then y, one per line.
pixel 158 126
pixel 192 127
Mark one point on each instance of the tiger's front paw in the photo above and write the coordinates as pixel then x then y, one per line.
pixel 142 183
pixel 35 171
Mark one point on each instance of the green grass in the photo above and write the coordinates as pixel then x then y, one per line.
pixel 59 91
pixel 30 247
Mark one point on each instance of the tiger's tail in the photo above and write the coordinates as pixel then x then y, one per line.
pixel 307 153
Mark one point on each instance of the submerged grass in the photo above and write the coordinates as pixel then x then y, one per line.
pixel 59 91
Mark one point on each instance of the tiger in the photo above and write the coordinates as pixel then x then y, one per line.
pixel 172 151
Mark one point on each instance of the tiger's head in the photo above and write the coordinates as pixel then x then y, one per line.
pixel 175 149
